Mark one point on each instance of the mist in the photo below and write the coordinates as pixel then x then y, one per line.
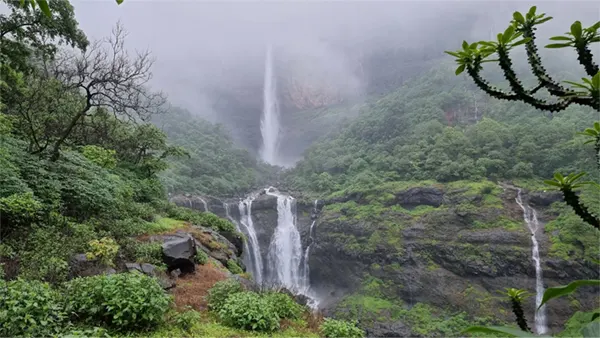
pixel 210 56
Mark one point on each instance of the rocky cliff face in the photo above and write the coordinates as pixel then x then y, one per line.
pixel 452 249
pixel 383 256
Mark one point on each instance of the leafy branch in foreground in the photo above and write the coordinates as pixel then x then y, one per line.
pixel 567 185
pixel 516 298
pixel 521 31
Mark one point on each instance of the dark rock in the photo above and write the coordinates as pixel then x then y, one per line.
pixel 420 196
pixel 175 273
pixel 265 202
pixel 236 239
pixel 80 266
pixel 544 199
pixel 249 285
pixel 148 269
pixel 179 251
pixel 133 267
pixel 393 329
pixel 215 245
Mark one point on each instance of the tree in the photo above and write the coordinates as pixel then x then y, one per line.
pixel 43 4
pixel 108 77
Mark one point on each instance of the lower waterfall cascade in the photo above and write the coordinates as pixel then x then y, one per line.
pixel 286 263
pixel 530 217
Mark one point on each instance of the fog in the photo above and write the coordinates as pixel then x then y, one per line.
pixel 210 55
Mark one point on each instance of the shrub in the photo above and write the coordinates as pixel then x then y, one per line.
pixel 233 267
pixel 185 320
pixel 206 219
pixel 333 328
pixel 123 301
pixel 150 252
pixel 217 295
pixel 29 308
pixel 104 249
pixel 249 311
pixel 100 156
pixel 284 305
pixel 201 257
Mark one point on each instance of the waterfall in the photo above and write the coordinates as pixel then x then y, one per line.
pixel 305 266
pixel 248 261
pixel 247 227
pixel 530 217
pixel 285 250
pixel 204 203
pixel 269 123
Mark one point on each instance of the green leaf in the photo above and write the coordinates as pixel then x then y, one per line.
pixel 592 329
pixel 576 29
pixel 559 177
pixel 119 2
pixel 554 183
pixel 508 33
pixel 518 17
pixel 531 12
pixel 596 84
pixel 560 291
pixel 455 54
pixel 505 331
pixel 465 45
pixel 577 84
pixel 597 124
pixel 460 69
pixel 44 7
pixel 521 42
pixel 544 20
pixel 559 38
pixel 558 45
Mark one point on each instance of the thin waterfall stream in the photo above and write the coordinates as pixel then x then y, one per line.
pixel 530 217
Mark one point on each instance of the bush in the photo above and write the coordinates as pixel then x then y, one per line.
pixel 104 249
pixel 283 305
pixel 123 301
pixel 87 332
pixel 249 311
pixel 333 328
pixel 100 156
pixel 150 252
pixel 185 320
pixel 233 267
pixel 201 257
pixel 29 308
pixel 206 219
pixel 217 295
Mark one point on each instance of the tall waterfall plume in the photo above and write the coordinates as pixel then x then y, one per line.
pixel 254 258
pixel 530 217
pixel 269 123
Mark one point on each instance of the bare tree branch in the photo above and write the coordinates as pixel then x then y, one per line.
pixel 109 77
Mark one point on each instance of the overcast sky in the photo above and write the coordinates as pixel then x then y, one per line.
pixel 201 42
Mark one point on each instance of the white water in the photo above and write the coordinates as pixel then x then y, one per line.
pixel 269 123
pixel 204 203
pixel 305 265
pixel 530 217
pixel 285 250
pixel 254 257
pixel 248 261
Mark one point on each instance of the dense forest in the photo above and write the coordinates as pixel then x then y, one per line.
pixel 91 156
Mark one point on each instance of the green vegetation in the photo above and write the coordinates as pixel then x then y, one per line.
pixel 332 328
pixel 123 302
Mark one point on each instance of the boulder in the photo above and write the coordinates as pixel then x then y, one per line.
pixel 81 266
pixel 179 251
pixel 249 285
pixel 150 270
pixel 215 245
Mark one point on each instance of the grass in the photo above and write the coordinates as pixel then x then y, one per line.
pixel 164 224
